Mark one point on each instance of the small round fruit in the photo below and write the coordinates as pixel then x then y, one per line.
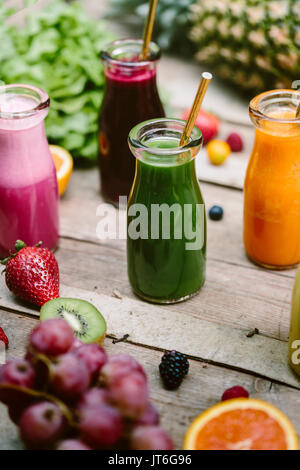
pixel 218 151
pixel 93 397
pixel 130 394
pixel 100 426
pixel 41 425
pixel 70 378
pixel 18 372
pixel 76 344
pixel 150 438
pixel 93 357
pixel 216 213
pixel 86 321
pixel 235 392
pixel 149 417
pixel 235 142
pixel 72 444
pixel 208 124
pixel 119 365
pixel 52 338
pixel 173 368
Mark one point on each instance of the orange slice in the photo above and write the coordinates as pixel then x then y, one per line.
pixel 64 166
pixel 241 424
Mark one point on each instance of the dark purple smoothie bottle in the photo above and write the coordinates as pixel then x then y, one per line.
pixel 130 97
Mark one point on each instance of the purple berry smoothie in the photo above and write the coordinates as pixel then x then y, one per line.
pixel 28 183
pixel 131 97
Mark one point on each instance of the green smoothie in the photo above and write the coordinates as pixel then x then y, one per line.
pixel 166 263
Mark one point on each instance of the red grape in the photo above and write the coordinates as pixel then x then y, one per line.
pixel 18 372
pixel 52 337
pixel 41 425
pixel 72 444
pixel 70 378
pixel 149 417
pixel 150 438
pixel 93 397
pixel 119 365
pixel 100 426
pixel 130 394
pixel 93 356
pixel 76 343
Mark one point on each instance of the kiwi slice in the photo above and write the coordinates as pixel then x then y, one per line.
pixel 87 322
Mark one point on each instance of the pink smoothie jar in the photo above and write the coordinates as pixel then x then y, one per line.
pixel 28 183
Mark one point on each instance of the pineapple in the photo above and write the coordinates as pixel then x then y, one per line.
pixel 252 43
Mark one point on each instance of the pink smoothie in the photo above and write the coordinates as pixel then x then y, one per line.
pixel 28 184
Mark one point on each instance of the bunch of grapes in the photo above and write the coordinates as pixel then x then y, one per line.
pixel 67 395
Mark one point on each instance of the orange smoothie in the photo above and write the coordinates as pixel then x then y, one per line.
pixel 272 192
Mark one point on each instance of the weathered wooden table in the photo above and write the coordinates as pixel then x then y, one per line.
pixel 211 328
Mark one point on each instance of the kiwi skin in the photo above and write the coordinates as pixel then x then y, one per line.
pixel 87 322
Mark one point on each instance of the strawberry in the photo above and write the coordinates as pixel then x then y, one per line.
pixel 208 124
pixel 3 338
pixel 32 273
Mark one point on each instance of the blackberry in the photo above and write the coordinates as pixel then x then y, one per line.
pixel 173 367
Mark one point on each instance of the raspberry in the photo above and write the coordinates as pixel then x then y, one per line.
pixel 173 367
pixel 235 142
pixel 4 338
pixel 235 392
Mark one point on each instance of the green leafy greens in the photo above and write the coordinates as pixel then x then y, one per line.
pixel 58 50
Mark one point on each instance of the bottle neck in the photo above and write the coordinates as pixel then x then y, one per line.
pixel 130 76
pixel 165 177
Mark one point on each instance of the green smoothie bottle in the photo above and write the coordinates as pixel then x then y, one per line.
pixel 166 222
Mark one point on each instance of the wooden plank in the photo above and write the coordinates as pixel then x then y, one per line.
pixel 225 238
pixel 233 171
pixel 166 327
pixel 202 387
pixel 232 295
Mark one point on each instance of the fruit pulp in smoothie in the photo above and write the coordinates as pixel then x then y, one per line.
pixel 163 270
pixel 131 97
pixel 272 195
pixel 28 184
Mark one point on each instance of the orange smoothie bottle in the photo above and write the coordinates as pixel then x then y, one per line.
pixel 272 184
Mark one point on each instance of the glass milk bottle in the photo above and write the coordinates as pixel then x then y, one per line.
pixel 166 239
pixel 131 96
pixel 272 184
pixel 28 183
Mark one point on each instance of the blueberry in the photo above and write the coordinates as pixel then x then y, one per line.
pixel 216 213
